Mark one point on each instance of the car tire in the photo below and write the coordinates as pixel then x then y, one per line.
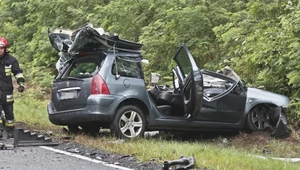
pixel 74 129
pixel 129 122
pixel 258 119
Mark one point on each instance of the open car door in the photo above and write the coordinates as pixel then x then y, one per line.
pixel 190 81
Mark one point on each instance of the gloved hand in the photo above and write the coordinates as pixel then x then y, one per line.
pixel 21 88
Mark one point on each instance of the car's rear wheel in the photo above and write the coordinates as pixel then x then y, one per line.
pixel 258 119
pixel 129 122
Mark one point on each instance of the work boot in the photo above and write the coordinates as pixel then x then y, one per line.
pixel 10 135
pixel 10 132
pixel 1 128
pixel 10 126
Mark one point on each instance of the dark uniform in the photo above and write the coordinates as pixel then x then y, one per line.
pixel 9 66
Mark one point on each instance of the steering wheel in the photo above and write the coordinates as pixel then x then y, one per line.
pixel 157 88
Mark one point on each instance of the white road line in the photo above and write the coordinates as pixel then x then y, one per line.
pixel 84 158
pixel 281 159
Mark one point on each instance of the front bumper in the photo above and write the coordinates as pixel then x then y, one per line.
pixel 279 117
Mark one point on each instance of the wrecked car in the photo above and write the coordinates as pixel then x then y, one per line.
pixel 101 84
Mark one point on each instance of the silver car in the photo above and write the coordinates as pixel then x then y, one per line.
pixel 101 84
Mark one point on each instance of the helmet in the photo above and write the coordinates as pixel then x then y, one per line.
pixel 3 42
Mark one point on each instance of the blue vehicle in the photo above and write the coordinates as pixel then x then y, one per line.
pixel 101 84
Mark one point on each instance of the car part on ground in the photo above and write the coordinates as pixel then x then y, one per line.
pixel 281 130
pixel 182 163
pixel 4 146
pixel 27 138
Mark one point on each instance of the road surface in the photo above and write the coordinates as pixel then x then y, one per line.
pixel 47 158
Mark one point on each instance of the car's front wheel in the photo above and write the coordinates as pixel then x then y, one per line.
pixel 129 122
pixel 258 119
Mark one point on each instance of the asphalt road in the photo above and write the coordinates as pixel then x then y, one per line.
pixel 47 158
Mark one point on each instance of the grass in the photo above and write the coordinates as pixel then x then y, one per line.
pixel 207 155
pixel 210 154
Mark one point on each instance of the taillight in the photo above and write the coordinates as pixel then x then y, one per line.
pixel 99 86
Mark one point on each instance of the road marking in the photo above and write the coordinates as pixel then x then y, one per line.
pixel 281 159
pixel 85 158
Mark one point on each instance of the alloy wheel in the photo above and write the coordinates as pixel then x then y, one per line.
pixel 260 118
pixel 131 124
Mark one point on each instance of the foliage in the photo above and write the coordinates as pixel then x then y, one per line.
pixel 257 38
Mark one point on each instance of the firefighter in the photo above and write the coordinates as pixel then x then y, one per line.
pixel 9 66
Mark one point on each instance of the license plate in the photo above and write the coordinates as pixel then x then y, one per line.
pixel 68 95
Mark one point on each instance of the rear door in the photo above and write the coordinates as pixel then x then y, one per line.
pixel 190 81
pixel 71 90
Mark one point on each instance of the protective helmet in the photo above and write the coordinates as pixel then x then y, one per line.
pixel 3 42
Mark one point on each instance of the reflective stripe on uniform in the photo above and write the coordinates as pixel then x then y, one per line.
pixel 9 98
pixel 20 75
pixel 8 70
pixel 10 123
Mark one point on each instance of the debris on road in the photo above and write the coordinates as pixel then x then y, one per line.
pixel 27 138
pixel 4 146
pixel 183 162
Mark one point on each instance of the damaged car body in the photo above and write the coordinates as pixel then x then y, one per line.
pixel 100 84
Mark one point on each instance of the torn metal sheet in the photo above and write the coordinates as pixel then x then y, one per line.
pixel 281 130
pixel 86 38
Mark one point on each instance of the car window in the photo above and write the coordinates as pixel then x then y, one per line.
pixel 211 81
pixel 83 68
pixel 216 87
pixel 127 67
pixel 183 62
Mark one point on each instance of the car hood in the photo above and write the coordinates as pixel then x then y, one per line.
pixel 263 96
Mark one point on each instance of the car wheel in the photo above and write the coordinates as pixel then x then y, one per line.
pixel 258 119
pixel 129 122
pixel 74 128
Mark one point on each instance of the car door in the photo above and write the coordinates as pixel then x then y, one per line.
pixel 190 81
pixel 224 98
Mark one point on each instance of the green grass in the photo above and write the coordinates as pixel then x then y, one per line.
pixel 33 112
pixel 210 155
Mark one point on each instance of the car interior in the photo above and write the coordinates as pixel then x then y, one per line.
pixel 169 100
